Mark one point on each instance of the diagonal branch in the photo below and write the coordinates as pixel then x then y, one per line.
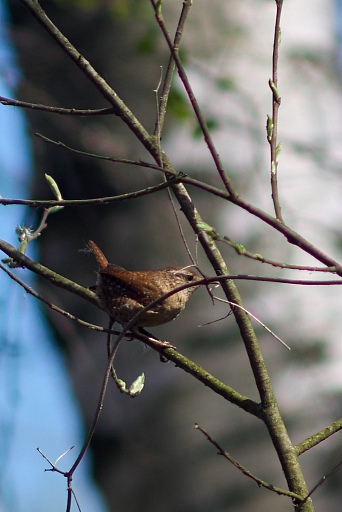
pixel 52 306
pixel 153 147
pixel 245 471
pixel 194 103
pixel 46 273
pixel 269 410
pixel 320 436
pixel 120 108
pixel 181 361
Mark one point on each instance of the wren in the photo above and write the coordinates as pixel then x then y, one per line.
pixel 123 293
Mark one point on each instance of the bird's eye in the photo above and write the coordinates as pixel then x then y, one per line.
pixel 190 277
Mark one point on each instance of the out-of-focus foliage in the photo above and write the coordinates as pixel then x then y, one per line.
pixel 122 9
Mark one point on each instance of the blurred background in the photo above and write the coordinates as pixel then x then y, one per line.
pixel 145 455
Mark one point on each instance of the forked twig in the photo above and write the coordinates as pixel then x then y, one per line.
pixel 170 70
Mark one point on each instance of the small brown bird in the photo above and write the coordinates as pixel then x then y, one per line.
pixel 123 293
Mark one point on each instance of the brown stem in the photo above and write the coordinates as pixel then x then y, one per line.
pixel 194 103
pixel 170 70
pixel 57 110
pixel 275 110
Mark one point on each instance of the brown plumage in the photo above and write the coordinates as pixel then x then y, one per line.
pixel 123 293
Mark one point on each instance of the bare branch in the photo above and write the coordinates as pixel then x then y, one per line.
pixel 317 438
pixel 196 108
pixel 319 483
pixel 46 273
pixel 98 201
pixel 120 109
pixel 245 471
pixel 272 137
pixel 56 110
pixel 170 70
pixel 52 306
pixel 139 163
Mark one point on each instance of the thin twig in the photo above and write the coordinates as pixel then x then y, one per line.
pixel 196 108
pixel 319 483
pixel 170 70
pixel 242 251
pixel 139 163
pixel 161 112
pixel 233 304
pixel 181 361
pixel 272 137
pixel 46 273
pixel 98 201
pixel 149 142
pixel 53 464
pixel 85 293
pixel 119 107
pixel 111 353
pixel 66 474
pixel 56 110
pixel 278 264
pixel 245 471
pixel 157 132
pixel 99 405
pixel 180 229
pixel 52 306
